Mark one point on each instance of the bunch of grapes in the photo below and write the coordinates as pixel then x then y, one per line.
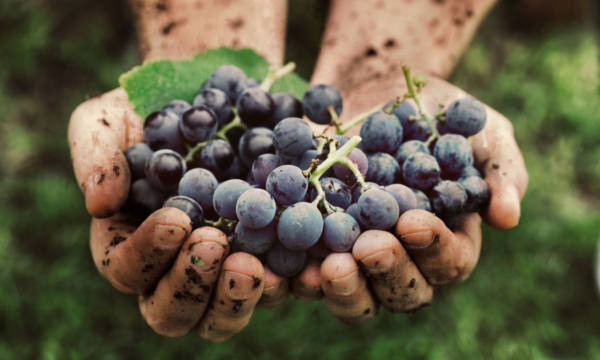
pixel 242 159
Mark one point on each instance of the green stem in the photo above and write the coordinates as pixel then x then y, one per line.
pixel 358 119
pixel 335 156
pixel 193 150
pixel 355 171
pixel 221 223
pixel 334 118
pixel 276 73
pixel 236 122
pixel 412 93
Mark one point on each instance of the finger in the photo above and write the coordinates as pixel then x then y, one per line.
pixel 498 154
pixel 307 284
pixel 238 290
pixel 394 277
pixel 181 296
pixel 99 130
pixel 345 289
pixel 134 263
pixel 276 291
pixel 441 256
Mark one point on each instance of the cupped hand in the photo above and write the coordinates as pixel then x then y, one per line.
pixel 399 272
pixel 186 280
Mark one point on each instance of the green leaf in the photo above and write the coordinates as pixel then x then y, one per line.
pixel 155 83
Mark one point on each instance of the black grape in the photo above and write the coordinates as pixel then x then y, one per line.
pixel 137 155
pixel 378 209
pixel 300 226
pixel 381 132
pixel 199 184
pixel 292 137
pixel 340 231
pixel 262 167
pixel 383 169
pixel 164 169
pixel 453 153
pixel 198 124
pixel 161 131
pixel 255 142
pixel 255 241
pixel 287 184
pixel 421 171
pixel 178 107
pixel 478 193
pixel 188 206
pixel 286 105
pixel 284 262
pixel 448 198
pixel 255 107
pixel 465 116
pixel 316 101
pixel 218 101
pixel 228 78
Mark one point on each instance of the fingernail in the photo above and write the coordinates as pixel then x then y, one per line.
pixel 418 240
pixel 238 285
pixel 206 255
pixel 505 208
pixel 381 261
pixel 345 285
pixel 169 235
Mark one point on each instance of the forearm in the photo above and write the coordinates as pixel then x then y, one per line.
pixel 181 28
pixel 368 40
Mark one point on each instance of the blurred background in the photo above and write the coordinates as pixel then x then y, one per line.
pixel 533 295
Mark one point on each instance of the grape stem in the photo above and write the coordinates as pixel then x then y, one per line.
pixel 358 119
pixel 275 74
pixel 221 223
pixel 334 118
pixel 413 94
pixel 335 156
pixel 221 134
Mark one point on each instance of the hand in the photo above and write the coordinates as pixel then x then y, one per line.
pixel 172 269
pixel 402 271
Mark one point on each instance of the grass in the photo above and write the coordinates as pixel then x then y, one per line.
pixel 532 295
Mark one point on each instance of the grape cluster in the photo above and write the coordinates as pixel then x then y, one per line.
pixel 242 159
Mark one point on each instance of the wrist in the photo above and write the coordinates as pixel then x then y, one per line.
pixel 180 29
pixel 428 36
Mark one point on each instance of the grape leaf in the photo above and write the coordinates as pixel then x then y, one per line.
pixel 152 85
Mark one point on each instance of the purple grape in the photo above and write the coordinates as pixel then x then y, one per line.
pixel 217 156
pixel 336 192
pixel 255 241
pixel 228 78
pixel 262 167
pixel 300 226
pixel 164 169
pixel 408 148
pixel 226 195
pixel 255 107
pixel 340 231
pixel 137 155
pixel 404 196
pixel 478 193
pixel 144 199
pixel 448 198
pixel 178 107
pixel 287 184
pixel 378 209
pixel 198 124
pixel 421 171
pixel 292 137
pixel 359 158
pixel 199 184
pixel 161 131
pixel 317 100
pixel 381 132
pixel 286 105
pixel 284 262
pixel 422 200
pixel 465 116
pixel 218 102
pixel 453 153
pixel 255 142
pixel 383 169
pixel 255 208
pixel 189 206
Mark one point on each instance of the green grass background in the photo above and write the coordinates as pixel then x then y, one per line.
pixel 533 295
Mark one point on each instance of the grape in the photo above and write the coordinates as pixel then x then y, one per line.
pixel 448 198
pixel 234 135
pixel 286 105
pixel 255 142
pixel 469 171
pixel 287 184
pixel 421 171
pixel 408 148
pixel 304 160
pixel 358 157
pixel 422 200
pixel 381 132
pixel 383 169
pixel 316 101
pixel 255 208
pixel 218 102
pixel 465 116
pixel 404 111
pixel 217 156
pixel 336 192
pixel 164 169
pixel 404 196
pixel 226 195
pixel 255 107
pixel 354 211
pixel 340 231
pixel 199 184
pixel 137 155
pixel 377 209
pixel 262 167
pixel 357 191
pixel 300 226
pixel 284 262
pixel 255 241
pixel 453 153
pixel 413 129
pixel 198 124
pixel 229 79
pixel 292 137
pixel 478 193
pixel 161 131
pixel 143 198
pixel 188 206
pixel 178 107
